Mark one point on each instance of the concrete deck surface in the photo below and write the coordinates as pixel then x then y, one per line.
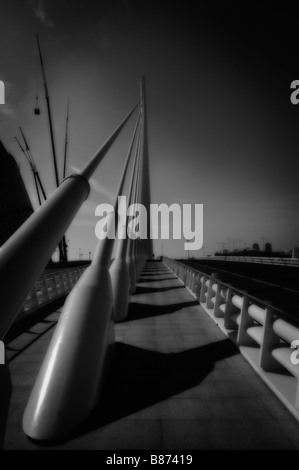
pixel 176 382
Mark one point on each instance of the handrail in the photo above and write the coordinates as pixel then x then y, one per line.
pixel 265 335
pixel 252 297
pixel 42 293
pixel 254 259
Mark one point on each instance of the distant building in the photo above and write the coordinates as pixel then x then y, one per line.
pixel 268 247
pixel 15 205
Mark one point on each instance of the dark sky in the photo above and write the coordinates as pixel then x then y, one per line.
pixel 222 129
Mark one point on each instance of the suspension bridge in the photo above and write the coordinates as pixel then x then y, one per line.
pixel 143 354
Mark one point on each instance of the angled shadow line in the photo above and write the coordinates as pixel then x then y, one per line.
pixel 138 311
pixel 147 290
pixel 139 378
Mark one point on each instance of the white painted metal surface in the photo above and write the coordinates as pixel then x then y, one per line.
pixel 262 333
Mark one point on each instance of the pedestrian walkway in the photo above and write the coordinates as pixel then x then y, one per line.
pixel 176 382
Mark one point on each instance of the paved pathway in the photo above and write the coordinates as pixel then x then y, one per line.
pixel 176 382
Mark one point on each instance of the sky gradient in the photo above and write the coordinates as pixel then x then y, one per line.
pixel 222 129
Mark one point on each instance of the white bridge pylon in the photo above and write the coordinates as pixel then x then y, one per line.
pixel 72 374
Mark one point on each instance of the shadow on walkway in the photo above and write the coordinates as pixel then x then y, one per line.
pixel 149 279
pixel 138 311
pixel 150 290
pixel 154 273
pixel 21 326
pixel 139 378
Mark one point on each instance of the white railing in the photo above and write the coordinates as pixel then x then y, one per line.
pixel 254 259
pixel 263 333
pixel 49 287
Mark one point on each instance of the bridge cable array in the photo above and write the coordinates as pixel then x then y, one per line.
pixel 73 371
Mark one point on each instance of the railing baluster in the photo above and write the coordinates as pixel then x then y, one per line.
pixel 270 340
pixel 230 309
pixel 246 321
pixel 257 327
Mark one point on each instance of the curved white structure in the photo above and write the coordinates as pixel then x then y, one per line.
pixel 264 335
pixel 69 382
pixel 72 374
